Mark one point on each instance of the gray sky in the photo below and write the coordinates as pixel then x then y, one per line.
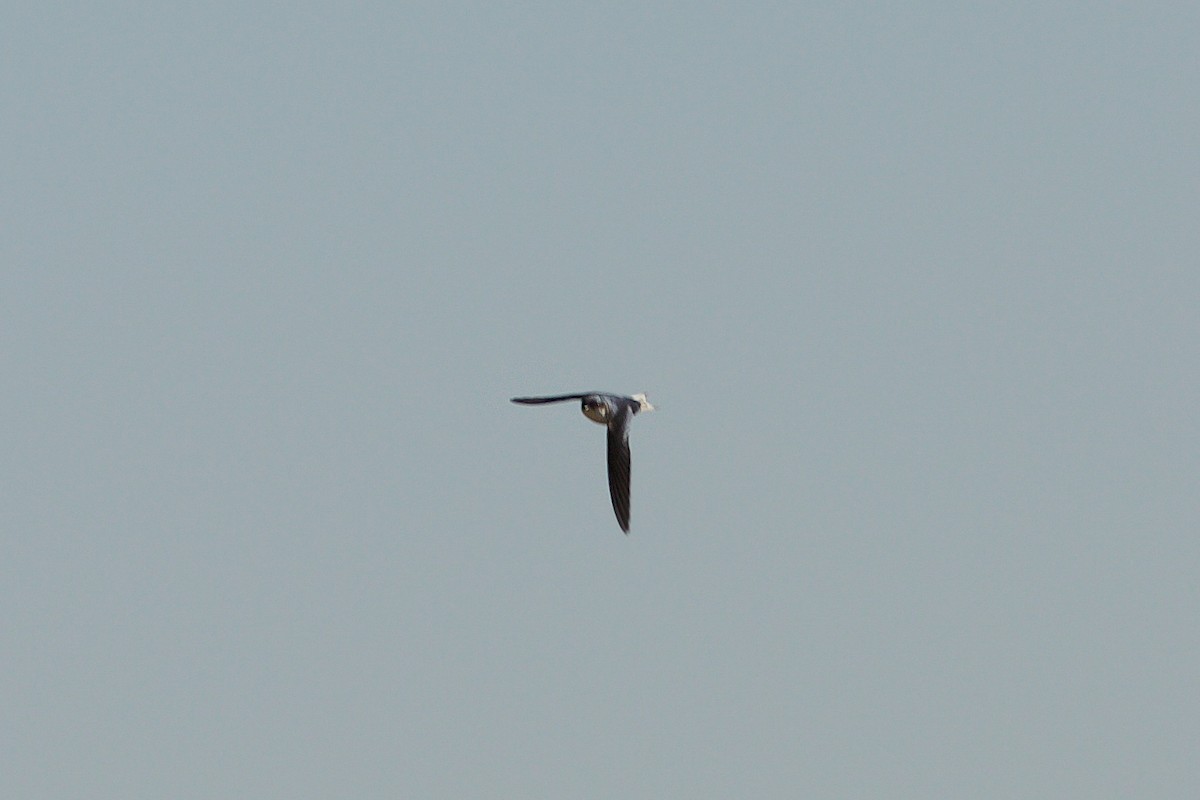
pixel 914 288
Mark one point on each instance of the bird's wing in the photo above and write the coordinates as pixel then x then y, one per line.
pixel 558 398
pixel 618 465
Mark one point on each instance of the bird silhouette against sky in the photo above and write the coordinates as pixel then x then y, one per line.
pixel 613 411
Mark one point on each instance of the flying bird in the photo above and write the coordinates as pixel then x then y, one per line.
pixel 613 411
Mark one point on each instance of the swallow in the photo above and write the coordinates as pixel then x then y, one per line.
pixel 613 411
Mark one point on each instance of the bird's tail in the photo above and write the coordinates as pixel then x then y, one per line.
pixel 643 403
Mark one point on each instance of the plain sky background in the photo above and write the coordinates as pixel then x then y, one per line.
pixel 914 287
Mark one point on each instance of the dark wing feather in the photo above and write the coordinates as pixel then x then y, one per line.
pixel 533 401
pixel 618 465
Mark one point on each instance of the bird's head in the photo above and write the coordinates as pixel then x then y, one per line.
pixel 595 409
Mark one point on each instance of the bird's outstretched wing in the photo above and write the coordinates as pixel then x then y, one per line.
pixel 558 398
pixel 618 465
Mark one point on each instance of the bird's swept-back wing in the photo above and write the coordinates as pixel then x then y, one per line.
pixel 558 398
pixel 618 465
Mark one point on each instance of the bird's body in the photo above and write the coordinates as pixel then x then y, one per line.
pixel 614 412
